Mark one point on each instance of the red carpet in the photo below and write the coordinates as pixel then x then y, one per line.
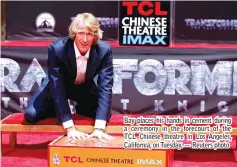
pixel 32 152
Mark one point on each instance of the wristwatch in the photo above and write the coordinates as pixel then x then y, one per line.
pixel 100 129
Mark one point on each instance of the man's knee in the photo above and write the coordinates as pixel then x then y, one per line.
pixel 30 115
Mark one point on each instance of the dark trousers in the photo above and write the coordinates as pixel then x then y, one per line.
pixel 42 106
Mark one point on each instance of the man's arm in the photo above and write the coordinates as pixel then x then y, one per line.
pixel 104 86
pixel 58 92
pixel 57 87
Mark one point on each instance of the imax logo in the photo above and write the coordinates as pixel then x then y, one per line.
pixel 149 162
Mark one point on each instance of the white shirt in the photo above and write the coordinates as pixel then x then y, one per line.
pixel 98 123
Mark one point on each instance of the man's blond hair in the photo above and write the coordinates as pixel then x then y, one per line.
pixel 90 22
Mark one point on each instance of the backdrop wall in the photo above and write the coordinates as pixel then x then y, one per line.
pixel 151 81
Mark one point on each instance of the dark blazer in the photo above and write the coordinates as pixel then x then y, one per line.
pixel 62 73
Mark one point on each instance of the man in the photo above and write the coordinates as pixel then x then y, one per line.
pixel 73 63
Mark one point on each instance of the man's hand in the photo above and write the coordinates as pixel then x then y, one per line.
pixel 100 135
pixel 72 133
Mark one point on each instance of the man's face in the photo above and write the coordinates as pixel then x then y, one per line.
pixel 84 38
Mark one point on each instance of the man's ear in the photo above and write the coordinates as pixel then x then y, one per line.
pixel 95 42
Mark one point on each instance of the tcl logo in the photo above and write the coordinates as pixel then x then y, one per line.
pixel 154 7
pixel 73 159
